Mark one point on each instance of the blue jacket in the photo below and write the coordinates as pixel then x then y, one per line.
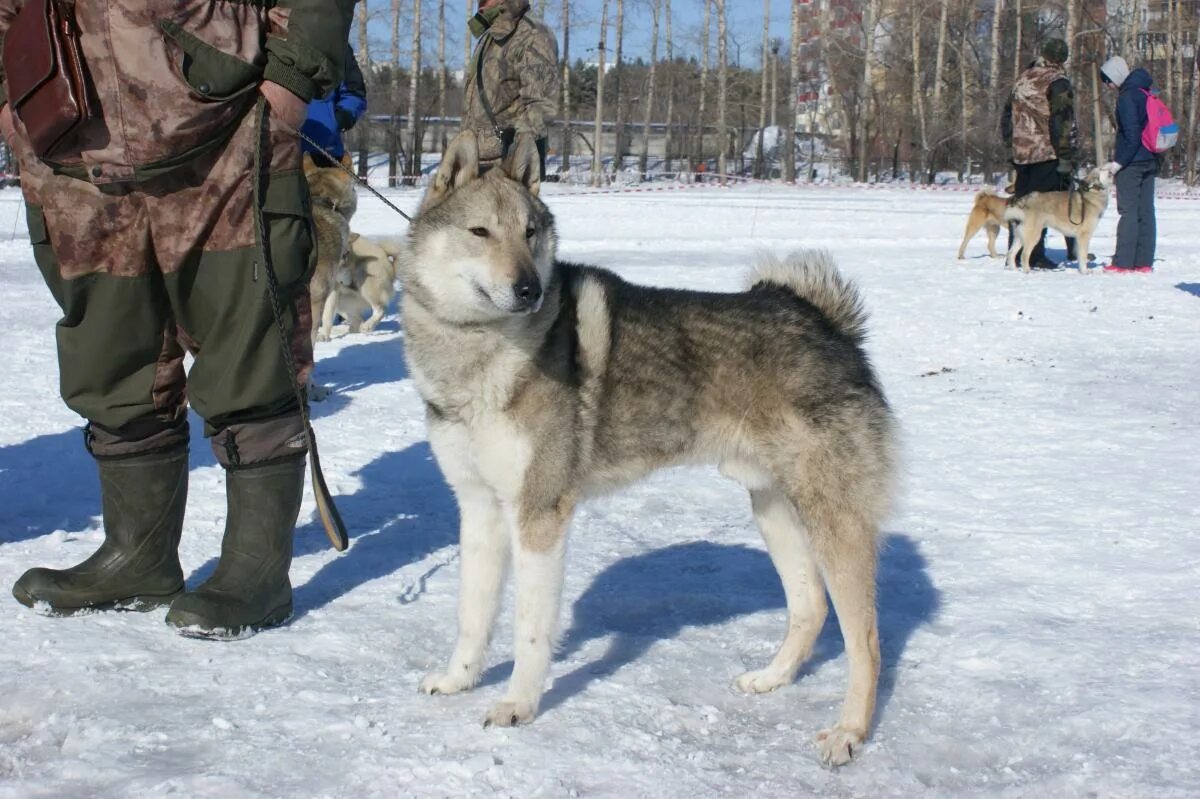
pixel 323 125
pixel 1131 119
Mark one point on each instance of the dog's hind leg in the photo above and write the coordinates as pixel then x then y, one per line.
pixel 842 542
pixel 993 230
pixel 540 549
pixel 806 604
pixel 974 222
pixel 484 548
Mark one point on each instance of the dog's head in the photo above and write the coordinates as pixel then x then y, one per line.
pixel 1099 179
pixel 332 186
pixel 482 247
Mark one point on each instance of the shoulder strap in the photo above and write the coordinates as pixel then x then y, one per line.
pixel 483 98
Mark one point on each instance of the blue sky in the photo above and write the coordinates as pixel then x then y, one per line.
pixel 745 27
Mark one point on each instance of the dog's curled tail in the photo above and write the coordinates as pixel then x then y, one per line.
pixel 987 191
pixel 813 276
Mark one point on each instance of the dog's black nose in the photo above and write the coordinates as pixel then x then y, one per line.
pixel 527 290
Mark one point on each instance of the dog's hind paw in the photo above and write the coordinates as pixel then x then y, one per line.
pixel 760 682
pixel 439 683
pixel 509 714
pixel 838 745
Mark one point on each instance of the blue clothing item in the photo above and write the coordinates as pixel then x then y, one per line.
pixel 322 123
pixel 1131 119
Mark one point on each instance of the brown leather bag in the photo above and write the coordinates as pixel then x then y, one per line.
pixel 45 73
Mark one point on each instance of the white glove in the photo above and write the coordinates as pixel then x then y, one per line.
pixel 1113 167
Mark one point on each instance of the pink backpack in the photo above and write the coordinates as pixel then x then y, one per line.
pixel 1161 132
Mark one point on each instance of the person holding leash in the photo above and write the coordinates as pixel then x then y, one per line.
pixel 512 80
pixel 172 216
pixel 1038 125
pixel 1135 168
pixel 334 114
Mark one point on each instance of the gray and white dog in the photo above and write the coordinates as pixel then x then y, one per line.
pixel 546 383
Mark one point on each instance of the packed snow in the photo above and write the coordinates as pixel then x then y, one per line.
pixel 1039 582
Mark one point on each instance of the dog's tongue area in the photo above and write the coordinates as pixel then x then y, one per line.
pixel 1037 587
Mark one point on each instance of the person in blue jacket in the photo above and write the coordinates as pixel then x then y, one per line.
pixel 330 116
pixel 1135 168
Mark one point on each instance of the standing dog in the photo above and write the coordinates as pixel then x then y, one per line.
pixel 546 382
pixel 1074 214
pixel 334 201
pixel 368 281
pixel 988 213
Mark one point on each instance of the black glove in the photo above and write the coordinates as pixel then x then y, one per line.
pixel 1065 168
pixel 345 120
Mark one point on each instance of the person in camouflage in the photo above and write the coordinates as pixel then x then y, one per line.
pixel 1038 125
pixel 512 80
pixel 146 229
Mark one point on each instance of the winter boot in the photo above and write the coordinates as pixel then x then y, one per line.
pixel 137 566
pixel 250 590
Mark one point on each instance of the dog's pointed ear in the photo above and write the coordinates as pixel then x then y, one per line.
pixel 347 161
pixel 460 165
pixel 523 163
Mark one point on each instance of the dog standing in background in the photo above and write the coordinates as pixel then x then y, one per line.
pixel 334 200
pixel 545 383
pixel 1074 214
pixel 367 282
pixel 987 213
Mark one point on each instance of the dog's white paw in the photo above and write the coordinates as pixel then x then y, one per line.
pixel 368 326
pixel 838 745
pixel 762 681
pixel 439 683
pixel 323 335
pixel 510 714
pixel 318 392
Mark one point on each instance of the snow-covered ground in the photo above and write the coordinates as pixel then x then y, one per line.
pixel 1039 586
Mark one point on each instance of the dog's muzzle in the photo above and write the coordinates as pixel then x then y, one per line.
pixel 527 294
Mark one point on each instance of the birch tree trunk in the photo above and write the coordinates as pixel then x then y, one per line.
pixel 993 115
pixel 1018 61
pixel 597 152
pixel 939 112
pixel 964 95
pixel 864 90
pixel 393 137
pixel 619 117
pixel 467 40
pixel 789 139
pixel 441 134
pixel 644 159
pixel 701 118
pixel 1072 28
pixel 722 89
pixel 1170 65
pixel 565 110
pixel 760 152
pixel 669 140
pixel 414 113
pixel 918 90
pixel 364 55
pixel 1193 149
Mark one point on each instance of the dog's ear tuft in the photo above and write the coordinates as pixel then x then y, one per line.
pixel 523 163
pixel 460 165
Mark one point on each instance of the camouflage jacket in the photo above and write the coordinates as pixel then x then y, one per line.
pixel 1039 119
pixel 173 77
pixel 517 58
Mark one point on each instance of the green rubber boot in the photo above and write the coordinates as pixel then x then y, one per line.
pixel 250 590
pixel 137 566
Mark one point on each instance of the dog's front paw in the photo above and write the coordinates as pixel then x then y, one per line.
pixel 318 392
pixel 510 714
pixel 760 682
pixel 323 335
pixel 368 326
pixel 838 745
pixel 439 683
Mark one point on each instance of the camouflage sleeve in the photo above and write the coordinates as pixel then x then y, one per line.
pixel 538 67
pixel 1064 135
pixel 8 10
pixel 308 59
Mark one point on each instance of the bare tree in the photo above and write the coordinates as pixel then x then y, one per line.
pixel 393 136
pixel 789 139
pixel 441 135
pixel 564 164
pixel 414 113
pixel 864 92
pixel 722 89
pixel 701 118
pixel 918 91
pixel 467 42
pixel 597 152
pixel 364 54
pixel 669 139
pixel 618 68
pixel 649 100
pixel 993 117
pixel 1193 149
pixel 760 151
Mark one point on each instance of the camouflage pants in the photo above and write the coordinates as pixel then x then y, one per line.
pixel 147 271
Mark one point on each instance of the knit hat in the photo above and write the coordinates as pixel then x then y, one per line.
pixel 1115 70
pixel 1055 51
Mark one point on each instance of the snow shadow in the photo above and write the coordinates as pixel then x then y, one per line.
pixel 647 598
pixel 409 512
pixel 372 362
pixel 1190 288
pixel 50 483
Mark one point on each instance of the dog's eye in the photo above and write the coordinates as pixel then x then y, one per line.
pixel 481 232
pixel 530 232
